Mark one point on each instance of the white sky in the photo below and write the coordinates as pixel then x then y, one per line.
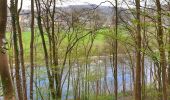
pixel 27 3
pixel 86 1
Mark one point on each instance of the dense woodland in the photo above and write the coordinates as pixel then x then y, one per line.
pixel 85 53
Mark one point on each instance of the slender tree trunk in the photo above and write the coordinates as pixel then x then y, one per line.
pixel 143 56
pixel 158 78
pixel 151 72
pixel 138 54
pixel 143 76
pixel 123 79
pixel 69 76
pixel 39 22
pixel 21 55
pixel 169 50
pixel 116 47
pixel 161 49
pixel 32 50
pixel 16 52
pixel 169 61
pixel 55 54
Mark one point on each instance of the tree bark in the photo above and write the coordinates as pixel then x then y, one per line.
pixel 16 52
pixel 39 22
pixel 8 91
pixel 161 49
pixel 116 46
pixel 32 50
pixel 138 53
pixel 169 50
pixel 21 56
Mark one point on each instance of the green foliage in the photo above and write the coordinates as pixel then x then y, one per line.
pixel 152 93
pixel 102 97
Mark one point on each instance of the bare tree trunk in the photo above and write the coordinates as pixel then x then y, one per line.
pixel 55 53
pixel 39 22
pixel 144 41
pixel 16 52
pixel 169 61
pixel 138 54
pixel 151 72
pixel 161 49
pixel 123 79
pixel 8 91
pixel 116 46
pixel 143 76
pixel 21 55
pixel 169 50
pixel 69 75
pixel 32 50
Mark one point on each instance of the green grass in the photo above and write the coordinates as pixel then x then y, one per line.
pixel 100 37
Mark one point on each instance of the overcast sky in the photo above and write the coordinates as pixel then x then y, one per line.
pixel 27 3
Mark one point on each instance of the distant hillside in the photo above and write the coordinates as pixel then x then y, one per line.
pixel 104 13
